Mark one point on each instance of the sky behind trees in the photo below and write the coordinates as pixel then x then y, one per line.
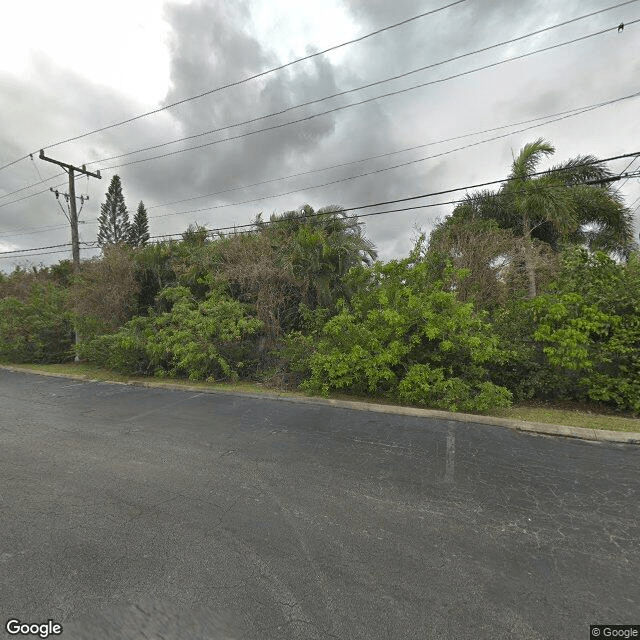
pixel 68 69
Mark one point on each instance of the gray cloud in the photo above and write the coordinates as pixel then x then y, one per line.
pixel 213 43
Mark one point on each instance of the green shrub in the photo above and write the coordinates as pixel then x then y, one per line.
pixel 39 329
pixel 526 371
pixel 198 340
pixel 430 387
pixel 589 326
pixel 404 335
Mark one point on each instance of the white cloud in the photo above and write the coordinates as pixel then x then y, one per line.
pixel 67 68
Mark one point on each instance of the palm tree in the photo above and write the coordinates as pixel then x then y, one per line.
pixel 323 245
pixel 571 203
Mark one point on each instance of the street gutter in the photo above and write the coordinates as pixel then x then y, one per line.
pixel 541 428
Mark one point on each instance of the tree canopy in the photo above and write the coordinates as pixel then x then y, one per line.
pixel 114 218
pixel 572 203
pixel 139 229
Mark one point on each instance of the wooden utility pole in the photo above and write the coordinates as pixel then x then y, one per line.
pixel 73 214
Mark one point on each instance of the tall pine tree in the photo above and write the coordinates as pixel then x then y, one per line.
pixel 139 231
pixel 114 217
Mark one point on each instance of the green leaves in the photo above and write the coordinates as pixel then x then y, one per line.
pixel 404 336
pixel 139 229
pixel 553 209
pixel 427 386
pixel 37 330
pixel 198 340
pixel 590 324
pixel 530 155
pixel 114 218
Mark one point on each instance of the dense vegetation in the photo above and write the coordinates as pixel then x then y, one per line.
pixel 530 292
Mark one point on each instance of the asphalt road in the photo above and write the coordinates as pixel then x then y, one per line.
pixel 128 512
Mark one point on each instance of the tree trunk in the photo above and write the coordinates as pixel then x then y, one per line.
pixel 527 250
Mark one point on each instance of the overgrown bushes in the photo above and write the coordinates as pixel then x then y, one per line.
pixel 38 328
pixel 405 336
pixel 589 326
pixel 252 307
pixel 195 339
pixel 580 340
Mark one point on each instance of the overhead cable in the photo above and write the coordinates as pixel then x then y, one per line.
pixel 415 197
pixel 554 118
pixel 561 116
pixel 348 178
pixel 243 80
pixel 365 101
pixel 35 184
pixel 360 88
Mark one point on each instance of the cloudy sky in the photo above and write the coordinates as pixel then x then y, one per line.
pixel 70 68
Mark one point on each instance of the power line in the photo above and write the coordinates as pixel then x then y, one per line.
pixel 562 115
pixel 556 117
pixel 400 165
pixel 231 229
pixel 316 214
pixel 51 246
pixel 244 80
pixel 316 115
pixel 35 184
pixel 367 100
pixel 32 255
pixel 487 184
pixel 31 195
pixel 402 200
pixel 568 113
pixel 626 168
pixel 346 106
pixel 34 231
pixel 340 180
pixel 377 213
pixel 365 86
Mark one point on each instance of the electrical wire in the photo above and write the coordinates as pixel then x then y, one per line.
pixel 625 169
pixel 346 179
pixel 34 231
pixel 37 193
pixel 367 100
pixel 35 184
pixel 315 214
pixel 35 166
pixel 568 113
pixel 253 227
pixel 341 107
pixel 400 200
pixel 564 115
pixel 31 255
pixel 51 246
pixel 360 88
pixel 244 80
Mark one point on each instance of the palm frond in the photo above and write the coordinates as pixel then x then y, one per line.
pixel 529 157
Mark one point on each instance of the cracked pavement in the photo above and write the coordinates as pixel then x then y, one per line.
pixel 131 512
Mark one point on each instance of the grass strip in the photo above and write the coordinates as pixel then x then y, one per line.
pixel 569 414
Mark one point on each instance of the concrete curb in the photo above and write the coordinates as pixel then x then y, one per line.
pixel 541 428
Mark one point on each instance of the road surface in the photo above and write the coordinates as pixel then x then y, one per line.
pixel 129 512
